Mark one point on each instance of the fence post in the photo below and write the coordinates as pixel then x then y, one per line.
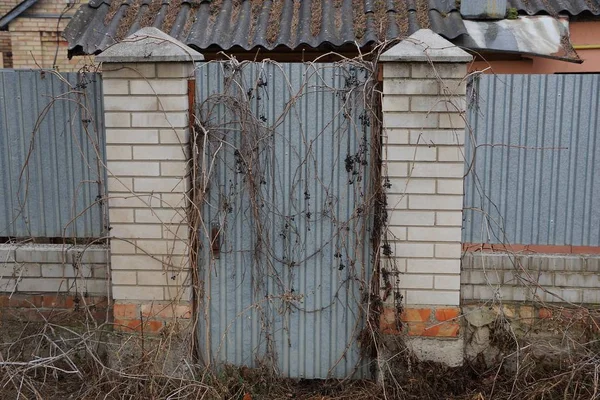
pixel 145 81
pixel 424 88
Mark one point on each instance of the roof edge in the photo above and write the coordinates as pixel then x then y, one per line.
pixel 15 12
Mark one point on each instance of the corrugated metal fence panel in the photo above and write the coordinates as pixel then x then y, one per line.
pixel 51 137
pixel 535 176
pixel 289 290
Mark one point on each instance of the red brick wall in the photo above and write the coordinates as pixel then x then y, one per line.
pixel 427 322
pixel 56 308
pixel 149 317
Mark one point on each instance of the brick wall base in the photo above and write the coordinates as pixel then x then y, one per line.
pixel 55 308
pixel 484 333
pixel 550 332
pixel 151 317
pixel 440 322
pixel 56 283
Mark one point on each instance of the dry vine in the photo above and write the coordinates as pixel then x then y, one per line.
pixel 278 192
pixel 238 136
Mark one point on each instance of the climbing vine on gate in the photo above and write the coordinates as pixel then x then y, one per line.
pixel 288 173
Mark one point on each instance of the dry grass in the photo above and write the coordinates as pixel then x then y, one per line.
pixel 190 19
pixel 402 17
pixel 215 8
pixel 172 11
pixel 256 11
pixel 236 6
pixel 295 22
pixel 359 19
pixel 112 11
pixel 275 21
pixel 128 19
pixel 316 19
pixel 49 361
pixel 423 13
pixel 150 14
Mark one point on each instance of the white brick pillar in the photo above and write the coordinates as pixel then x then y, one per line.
pixel 145 81
pixel 424 86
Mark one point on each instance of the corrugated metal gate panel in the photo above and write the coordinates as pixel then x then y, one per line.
pixel 42 126
pixel 535 176
pixel 287 289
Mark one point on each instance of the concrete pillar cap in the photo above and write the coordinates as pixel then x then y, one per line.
pixel 426 46
pixel 149 45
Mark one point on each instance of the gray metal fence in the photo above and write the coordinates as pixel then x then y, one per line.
pixel 534 153
pixel 51 142
pixel 286 258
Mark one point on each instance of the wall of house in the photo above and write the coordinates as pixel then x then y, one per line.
pixel 5 57
pixel 7 5
pixel 37 280
pixel 583 34
pixel 5 53
pixel 35 37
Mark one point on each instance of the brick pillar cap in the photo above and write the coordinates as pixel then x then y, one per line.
pixel 426 46
pixel 149 45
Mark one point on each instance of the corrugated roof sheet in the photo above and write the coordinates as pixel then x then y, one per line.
pixel 556 7
pixel 280 24
pixel 539 35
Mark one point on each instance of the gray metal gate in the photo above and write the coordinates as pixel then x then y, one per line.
pixel 52 152
pixel 285 261
pixel 533 160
